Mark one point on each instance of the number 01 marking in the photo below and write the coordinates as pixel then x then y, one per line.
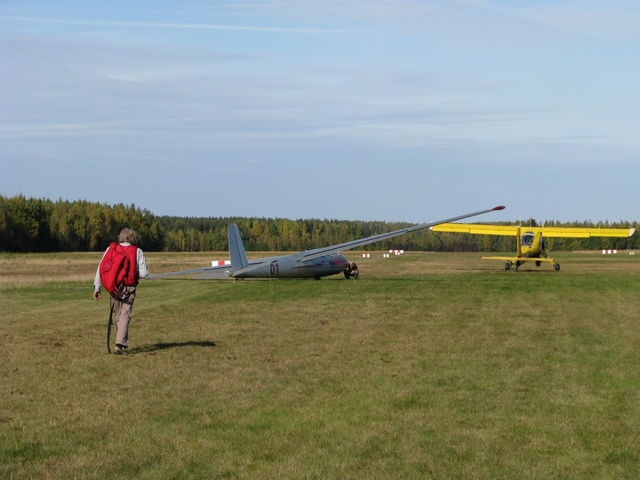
pixel 273 268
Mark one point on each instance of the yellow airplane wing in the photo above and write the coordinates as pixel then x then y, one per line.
pixel 512 230
pixel 568 232
pixel 477 229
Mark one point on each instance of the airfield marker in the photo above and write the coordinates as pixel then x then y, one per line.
pixel 220 263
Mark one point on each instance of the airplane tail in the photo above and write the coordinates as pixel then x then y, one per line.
pixel 236 248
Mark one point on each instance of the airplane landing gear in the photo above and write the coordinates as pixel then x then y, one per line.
pixel 556 266
pixel 507 266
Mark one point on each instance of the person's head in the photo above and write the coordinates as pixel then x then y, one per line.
pixel 128 235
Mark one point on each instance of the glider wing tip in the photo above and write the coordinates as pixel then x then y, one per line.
pixel 499 207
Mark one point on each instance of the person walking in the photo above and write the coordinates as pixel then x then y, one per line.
pixel 121 281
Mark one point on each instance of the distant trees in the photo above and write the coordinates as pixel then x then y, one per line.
pixel 41 225
pixel 24 224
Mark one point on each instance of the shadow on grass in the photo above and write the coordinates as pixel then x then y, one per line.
pixel 164 346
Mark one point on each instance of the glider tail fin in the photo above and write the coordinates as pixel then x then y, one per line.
pixel 236 248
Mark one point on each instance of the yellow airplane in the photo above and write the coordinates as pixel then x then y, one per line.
pixel 530 242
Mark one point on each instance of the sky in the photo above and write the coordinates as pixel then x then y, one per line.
pixel 342 109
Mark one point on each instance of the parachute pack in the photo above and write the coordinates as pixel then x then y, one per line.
pixel 118 268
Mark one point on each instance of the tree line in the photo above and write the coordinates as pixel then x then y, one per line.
pixel 42 225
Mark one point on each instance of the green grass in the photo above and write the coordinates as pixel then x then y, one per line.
pixel 429 366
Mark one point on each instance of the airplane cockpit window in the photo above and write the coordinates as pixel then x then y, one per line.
pixel 527 239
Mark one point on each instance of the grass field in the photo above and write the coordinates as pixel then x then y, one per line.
pixel 430 366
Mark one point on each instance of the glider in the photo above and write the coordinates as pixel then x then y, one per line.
pixel 316 263
pixel 530 241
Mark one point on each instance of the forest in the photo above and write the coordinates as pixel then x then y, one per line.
pixel 43 225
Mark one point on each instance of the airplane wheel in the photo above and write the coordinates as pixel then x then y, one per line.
pixel 556 266
pixel 507 266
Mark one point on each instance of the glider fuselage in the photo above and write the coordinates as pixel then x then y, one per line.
pixel 291 266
